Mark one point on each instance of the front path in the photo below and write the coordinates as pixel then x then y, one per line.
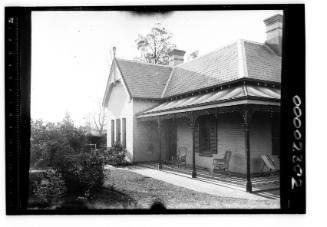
pixel 145 186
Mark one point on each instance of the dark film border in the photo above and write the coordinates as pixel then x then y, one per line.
pixel 17 108
pixel 293 88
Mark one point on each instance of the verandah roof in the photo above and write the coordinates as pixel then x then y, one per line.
pixel 245 94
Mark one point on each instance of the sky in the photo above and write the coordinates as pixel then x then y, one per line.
pixel 72 51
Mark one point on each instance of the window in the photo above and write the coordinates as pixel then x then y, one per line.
pixel 112 132
pixel 124 132
pixel 207 136
pixel 204 134
pixel 118 131
pixel 275 134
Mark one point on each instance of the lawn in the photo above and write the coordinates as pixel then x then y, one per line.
pixel 125 189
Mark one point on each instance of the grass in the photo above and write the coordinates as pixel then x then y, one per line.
pixel 142 192
pixel 124 189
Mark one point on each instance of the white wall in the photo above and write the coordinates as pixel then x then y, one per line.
pixel 146 146
pixel 137 136
pixel 121 106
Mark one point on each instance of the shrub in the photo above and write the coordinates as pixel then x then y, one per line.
pixel 82 173
pixel 49 187
pixel 48 140
pixel 115 155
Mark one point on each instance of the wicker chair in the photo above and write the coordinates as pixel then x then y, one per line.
pixel 222 161
pixel 181 156
pixel 268 162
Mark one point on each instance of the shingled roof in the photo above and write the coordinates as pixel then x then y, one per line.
pixel 142 79
pixel 241 59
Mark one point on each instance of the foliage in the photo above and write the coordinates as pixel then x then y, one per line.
pixel 82 173
pixel 50 186
pixel 51 140
pixel 115 155
pixel 62 149
pixel 155 46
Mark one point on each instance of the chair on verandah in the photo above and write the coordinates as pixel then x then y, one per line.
pixel 268 162
pixel 181 156
pixel 221 162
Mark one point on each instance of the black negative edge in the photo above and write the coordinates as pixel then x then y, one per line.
pixel 293 78
pixel 17 112
pixel 293 83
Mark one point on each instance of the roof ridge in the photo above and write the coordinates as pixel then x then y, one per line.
pixel 254 42
pixel 145 63
pixel 211 52
pixel 242 63
pixel 271 50
pixel 264 45
pixel 167 83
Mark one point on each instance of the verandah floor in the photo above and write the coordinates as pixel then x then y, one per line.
pixel 266 185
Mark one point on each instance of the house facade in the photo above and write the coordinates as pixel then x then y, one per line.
pixel 227 100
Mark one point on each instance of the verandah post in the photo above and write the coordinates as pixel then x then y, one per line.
pixel 246 116
pixel 159 135
pixel 193 119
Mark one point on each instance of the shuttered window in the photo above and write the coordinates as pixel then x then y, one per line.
pixel 206 136
pixel 213 136
pixel 124 132
pixel 112 132
pixel 118 140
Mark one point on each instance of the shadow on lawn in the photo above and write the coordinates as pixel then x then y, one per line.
pixel 111 199
pixel 105 199
pixel 158 206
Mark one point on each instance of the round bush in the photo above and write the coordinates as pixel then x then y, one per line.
pixel 50 187
pixel 82 173
pixel 115 155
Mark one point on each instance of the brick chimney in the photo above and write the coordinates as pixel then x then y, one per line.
pixel 274 31
pixel 176 57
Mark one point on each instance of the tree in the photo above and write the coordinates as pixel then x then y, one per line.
pixel 67 125
pixel 46 140
pixel 99 120
pixel 50 141
pixel 155 46
pixel 95 120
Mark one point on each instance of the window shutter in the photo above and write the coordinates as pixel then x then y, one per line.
pixel 213 136
pixel 112 132
pixel 196 137
pixel 124 132
pixel 118 140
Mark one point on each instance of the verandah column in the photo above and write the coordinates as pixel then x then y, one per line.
pixel 247 113
pixel 159 135
pixel 192 124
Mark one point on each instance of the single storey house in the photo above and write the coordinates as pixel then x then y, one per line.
pixel 226 100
